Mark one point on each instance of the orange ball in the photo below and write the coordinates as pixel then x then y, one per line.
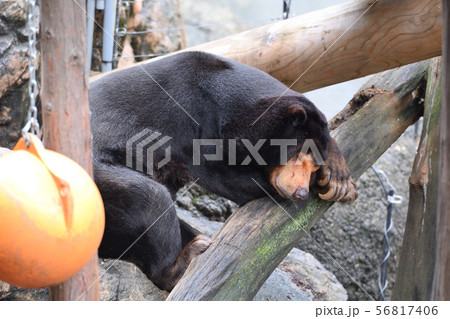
pixel 51 217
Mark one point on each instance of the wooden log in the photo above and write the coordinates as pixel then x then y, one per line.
pixel 441 286
pixel 256 238
pixel 65 107
pixel 417 258
pixel 338 43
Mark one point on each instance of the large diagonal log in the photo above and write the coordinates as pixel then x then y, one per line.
pixel 256 238
pixel 339 43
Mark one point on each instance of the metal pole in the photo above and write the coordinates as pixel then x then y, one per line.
pixel 109 23
pixel 90 9
pixel 116 35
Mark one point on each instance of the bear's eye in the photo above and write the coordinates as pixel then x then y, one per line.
pixel 297 115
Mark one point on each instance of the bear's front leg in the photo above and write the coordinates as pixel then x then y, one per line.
pixel 333 180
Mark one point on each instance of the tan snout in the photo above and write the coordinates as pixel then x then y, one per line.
pixel 292 180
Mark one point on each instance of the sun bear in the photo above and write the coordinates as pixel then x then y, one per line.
pixel 197 117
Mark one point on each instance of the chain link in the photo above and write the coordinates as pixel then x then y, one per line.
pixel 32 124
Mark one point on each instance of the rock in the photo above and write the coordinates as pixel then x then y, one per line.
pixel 13 70
pixel 14 12
pixel 209 207
pixel 310 275
pixel 124 281
pixel 301 277
pixel 185 202
pixel 5 42
pixel 214 207
pixel 199 222
pixel 11 293
pixel 279 287
pixel 15 65
pixel 13 111
pixel 121 281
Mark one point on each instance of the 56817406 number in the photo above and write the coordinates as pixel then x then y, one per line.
pixel 406 310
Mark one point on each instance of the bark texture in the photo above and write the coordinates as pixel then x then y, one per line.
pixel 66 113
pixel 417 259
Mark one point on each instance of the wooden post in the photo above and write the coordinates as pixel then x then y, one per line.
pixel 339 43
pixel 441 287
pixel 65 110
pixel 256 238
pixel 417 258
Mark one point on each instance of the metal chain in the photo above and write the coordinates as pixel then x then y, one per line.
pixel 391 198
pixel 32 124
pixel 286 8
pixel 125 6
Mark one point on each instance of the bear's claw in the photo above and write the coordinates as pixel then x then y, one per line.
pixel 343 191
pixel 197 246
pixel 334 182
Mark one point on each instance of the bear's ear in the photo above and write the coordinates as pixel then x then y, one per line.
pixel 296 114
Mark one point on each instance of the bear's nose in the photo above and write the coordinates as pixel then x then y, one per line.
pixel 301 193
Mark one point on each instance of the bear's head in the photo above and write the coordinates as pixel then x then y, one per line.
pixel 290 134
pixel 303 122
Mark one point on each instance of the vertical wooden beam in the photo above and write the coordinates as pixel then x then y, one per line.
pixel 441 287
pixel 415 271
pixel 65 110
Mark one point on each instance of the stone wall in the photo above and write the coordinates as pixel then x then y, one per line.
pixel 13 70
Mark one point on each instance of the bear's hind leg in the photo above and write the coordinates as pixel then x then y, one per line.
pixel 142 226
